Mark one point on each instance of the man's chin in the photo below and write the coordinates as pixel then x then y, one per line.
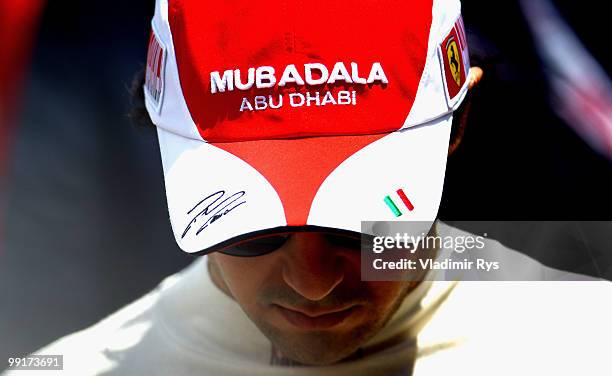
pixel 312 356
pixel 319 348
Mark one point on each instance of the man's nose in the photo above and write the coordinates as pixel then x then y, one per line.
pixel 312 267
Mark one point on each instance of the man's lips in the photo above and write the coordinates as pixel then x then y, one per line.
pixel 314 319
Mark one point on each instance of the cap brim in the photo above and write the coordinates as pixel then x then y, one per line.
pixel 219 194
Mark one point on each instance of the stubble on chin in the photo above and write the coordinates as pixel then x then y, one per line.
pixel 320 348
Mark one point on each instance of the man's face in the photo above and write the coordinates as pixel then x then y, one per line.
pixel 308 298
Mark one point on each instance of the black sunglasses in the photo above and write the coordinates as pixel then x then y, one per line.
pixel 270 243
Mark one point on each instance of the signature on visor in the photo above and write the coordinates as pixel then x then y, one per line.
pixel 213 207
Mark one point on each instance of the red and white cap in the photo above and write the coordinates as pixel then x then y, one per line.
pixel 280 116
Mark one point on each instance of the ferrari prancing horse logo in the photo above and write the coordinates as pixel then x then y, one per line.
pixel 455 61
pixel 452 54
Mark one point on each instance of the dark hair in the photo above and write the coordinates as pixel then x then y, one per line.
pixel 138 111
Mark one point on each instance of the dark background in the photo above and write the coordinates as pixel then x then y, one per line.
pixel 86 228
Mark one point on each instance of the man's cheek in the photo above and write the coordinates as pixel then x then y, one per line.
pixel 241 271
pixel 246 277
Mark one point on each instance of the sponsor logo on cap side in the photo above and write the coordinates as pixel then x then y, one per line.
pixel 154 73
